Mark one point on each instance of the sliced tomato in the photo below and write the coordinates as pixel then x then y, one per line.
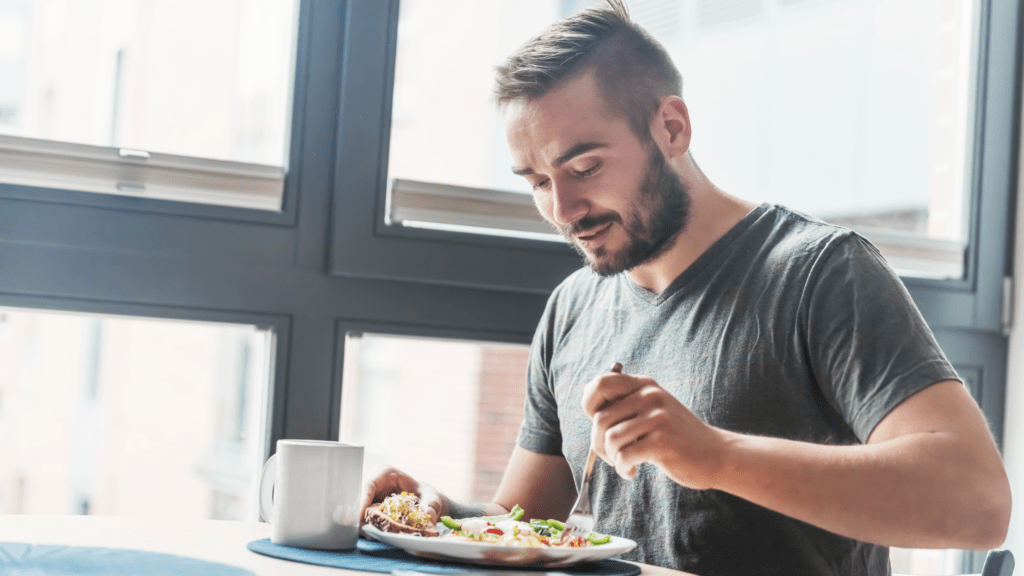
pixel 493 530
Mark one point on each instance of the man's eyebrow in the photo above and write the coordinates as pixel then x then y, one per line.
pixel 572 152
pixel 576 150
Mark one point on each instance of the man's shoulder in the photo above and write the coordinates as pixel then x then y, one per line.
pixel 793 234
pixel 797 226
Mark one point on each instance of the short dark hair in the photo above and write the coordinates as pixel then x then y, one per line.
pixel 632 69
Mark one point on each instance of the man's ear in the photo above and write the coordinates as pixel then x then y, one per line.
pixel 671 127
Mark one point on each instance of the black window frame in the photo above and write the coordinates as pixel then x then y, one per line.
pixel 363 245
pixel 327 262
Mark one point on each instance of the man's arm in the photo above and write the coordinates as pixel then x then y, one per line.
pixel 930 475
pixel 543 485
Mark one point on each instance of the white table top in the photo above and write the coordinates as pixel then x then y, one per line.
pixel 211 540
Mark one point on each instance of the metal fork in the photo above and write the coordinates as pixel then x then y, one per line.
pixel 581 519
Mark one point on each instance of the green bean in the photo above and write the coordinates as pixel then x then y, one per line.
pixel 456 523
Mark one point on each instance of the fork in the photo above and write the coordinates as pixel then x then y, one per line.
pixel 581 519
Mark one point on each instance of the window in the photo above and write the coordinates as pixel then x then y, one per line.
pixel 327 263
pixel 106 97
pixel 938 210
pixel 445 411
pixel 856 112
pixel 123 416
pixel 458 179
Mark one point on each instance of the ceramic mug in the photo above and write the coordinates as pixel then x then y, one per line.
pixel 310 492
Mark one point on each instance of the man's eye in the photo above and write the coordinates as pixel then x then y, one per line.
pixel 588 172
pixel 542 185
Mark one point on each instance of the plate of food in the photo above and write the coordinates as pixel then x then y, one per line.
pixel 491 540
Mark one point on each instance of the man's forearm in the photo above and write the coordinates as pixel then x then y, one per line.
pixel 925 490
pixel 459 510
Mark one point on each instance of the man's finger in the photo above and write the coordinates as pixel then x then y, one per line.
pixel 385 482
pixel 608 389
pixel 624 434
pixel 616 368
pixel 631 454
pixel 626 408
pixel 368 491
pixel 432 500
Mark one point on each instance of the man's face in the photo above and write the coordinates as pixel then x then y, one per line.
pixel 613 196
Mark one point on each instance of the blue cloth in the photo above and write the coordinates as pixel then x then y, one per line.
pixel 17 559
pixel 377 557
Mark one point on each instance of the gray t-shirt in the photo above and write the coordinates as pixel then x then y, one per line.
pixel 786 327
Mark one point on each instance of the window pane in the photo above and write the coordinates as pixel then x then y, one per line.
pixel 445 411
pixel 188 78
pixel 927 562
pixel 130 417
pixel 444 128
pixel 855 111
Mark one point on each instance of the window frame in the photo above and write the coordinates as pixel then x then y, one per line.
pixel 279 326
pixel 364 246
pixel 287 214
pixel 346 326
pixel 326 262
pixel 976 301
pixel 84 252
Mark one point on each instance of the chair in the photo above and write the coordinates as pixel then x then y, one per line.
pixel 998 563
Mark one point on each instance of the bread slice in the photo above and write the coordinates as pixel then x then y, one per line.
pixel 385 524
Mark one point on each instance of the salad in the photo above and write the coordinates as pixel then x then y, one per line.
pixel 401 513
pixel 510 530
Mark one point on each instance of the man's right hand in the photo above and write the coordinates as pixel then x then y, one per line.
pixel 385 481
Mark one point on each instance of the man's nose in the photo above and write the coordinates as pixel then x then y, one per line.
pixel 568 203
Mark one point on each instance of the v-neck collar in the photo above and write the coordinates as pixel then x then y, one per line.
pixel 701 263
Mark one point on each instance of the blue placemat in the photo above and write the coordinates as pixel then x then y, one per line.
pixel 378 557
pixel 17 559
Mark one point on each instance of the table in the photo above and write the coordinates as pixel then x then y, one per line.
pixel 212 540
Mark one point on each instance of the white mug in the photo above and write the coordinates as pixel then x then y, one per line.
pixel 309 492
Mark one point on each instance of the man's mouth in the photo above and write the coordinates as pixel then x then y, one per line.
pixel 593 236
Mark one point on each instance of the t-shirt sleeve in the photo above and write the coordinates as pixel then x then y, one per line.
pixel 540 430
pixel 869 345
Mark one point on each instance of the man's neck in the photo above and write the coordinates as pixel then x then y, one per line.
pixel 712 214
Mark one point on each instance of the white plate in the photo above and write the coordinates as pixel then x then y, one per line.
pixel 498 555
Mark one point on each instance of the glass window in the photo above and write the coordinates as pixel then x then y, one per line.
pixel 854 111
pixel 154 97
pixel 906 561
pixel 445 411
pixel 123 416
pixel 449 166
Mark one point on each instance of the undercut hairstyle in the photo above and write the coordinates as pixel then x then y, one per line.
pixel 633 70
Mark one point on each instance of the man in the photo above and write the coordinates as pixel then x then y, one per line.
pixel 795 415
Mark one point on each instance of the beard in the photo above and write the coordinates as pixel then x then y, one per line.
pixel 661 213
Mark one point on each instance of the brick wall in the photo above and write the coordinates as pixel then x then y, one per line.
pixel 499 413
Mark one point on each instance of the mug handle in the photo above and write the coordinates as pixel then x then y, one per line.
pixel 267 481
